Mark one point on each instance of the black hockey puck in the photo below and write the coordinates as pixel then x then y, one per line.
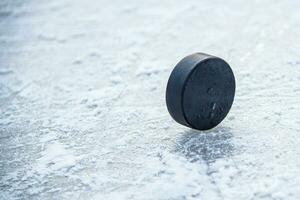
pixel 200 91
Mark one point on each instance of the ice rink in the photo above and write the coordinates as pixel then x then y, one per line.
pixel 82 100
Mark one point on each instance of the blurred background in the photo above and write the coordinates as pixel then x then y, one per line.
pixel 82 100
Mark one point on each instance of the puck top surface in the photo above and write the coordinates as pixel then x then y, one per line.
pixel 200 91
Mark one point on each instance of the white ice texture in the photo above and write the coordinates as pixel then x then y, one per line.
pixel 82 100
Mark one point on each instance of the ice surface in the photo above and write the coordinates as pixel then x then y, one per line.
pixel 82 100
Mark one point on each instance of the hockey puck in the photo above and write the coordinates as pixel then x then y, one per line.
pixel 200 91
